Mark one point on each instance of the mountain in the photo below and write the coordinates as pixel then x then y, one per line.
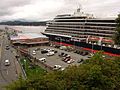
pixel 24 23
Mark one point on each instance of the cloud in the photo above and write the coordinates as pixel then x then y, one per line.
pixel 48 9
pixel 7 7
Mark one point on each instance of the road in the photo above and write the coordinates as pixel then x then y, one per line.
pixel 7 73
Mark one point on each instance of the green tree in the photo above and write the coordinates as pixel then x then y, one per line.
pixel 117 34
pixel 20 84
pixel 96 73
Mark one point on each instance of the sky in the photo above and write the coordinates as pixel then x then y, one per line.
pixel 38 10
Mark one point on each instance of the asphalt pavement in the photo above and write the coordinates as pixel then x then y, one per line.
pixel 55 59
pixel 7 73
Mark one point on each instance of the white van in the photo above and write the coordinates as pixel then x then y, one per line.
pixel 42 59
pixel 7 62
pixel 56 67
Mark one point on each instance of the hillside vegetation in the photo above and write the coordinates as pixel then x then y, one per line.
pixel 96 73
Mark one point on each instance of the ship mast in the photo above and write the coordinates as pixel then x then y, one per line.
pixel 79 8
pixel 78 11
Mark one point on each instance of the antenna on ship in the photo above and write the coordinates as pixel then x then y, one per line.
pixel 78 11
pixel 79 8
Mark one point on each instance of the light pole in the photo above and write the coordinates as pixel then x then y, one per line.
pixel 25 63
pixel 101 42
pixel 92 47
pixel 60 40
pixel 74 43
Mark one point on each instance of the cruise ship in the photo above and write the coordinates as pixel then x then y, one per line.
pixel 83 30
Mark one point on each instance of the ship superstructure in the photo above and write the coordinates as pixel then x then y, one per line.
pixel 83 30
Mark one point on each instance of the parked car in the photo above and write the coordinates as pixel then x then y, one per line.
pixel 55 51
pixel 34 53
pixel 48 50
pixel 42 59
pixel 80 60
pixel 7 47
pixel 52 50
pixel 63 48
pixel 78 52
pixel 17 56
pixel 44 51
pixel 57 46
pixel 70 61
pixel 67 59
pixel 64 55
pixel 87 53
pixel 61 54
pixel 84 53
pixel 63 58
pixel 50 54
pixel 81 53
pixel 68 56
pixel 56 67
pixel 75 51
pixel 7 62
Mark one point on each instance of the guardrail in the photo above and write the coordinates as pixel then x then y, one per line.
pixel 18 59
pixel 22 69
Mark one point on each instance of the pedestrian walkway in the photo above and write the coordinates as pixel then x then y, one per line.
pixel 17 64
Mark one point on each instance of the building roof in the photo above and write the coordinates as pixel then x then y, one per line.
pixel 58 34
pixel 21 36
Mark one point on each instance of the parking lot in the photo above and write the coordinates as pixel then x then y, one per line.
pixel 56 59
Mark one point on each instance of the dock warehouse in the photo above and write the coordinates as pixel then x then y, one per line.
pixel 29 39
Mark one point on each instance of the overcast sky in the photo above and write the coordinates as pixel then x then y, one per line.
pixel 37 10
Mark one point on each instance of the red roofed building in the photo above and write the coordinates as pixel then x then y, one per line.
pixel 29 38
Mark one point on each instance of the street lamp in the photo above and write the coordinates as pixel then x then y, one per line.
pixel 92 47
pixel 74 43
pixel 25 63
pixel 60 40
pixel 73 40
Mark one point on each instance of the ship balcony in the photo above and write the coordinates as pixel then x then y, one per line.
pixel 85 23
pixel 81 30
pixel 82 25
pixel 84 33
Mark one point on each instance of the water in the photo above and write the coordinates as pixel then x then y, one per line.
pixel 25 29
